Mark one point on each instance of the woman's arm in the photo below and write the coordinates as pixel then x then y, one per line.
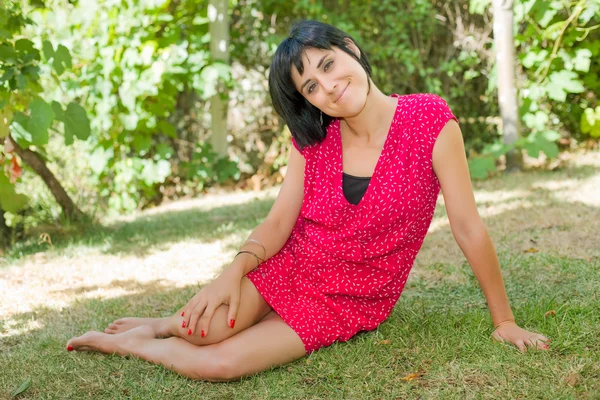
pixel 275 230
pixel 451 168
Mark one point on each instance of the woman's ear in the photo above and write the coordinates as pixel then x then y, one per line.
pixel 352 46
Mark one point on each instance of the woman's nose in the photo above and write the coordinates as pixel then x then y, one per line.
pixel 329 86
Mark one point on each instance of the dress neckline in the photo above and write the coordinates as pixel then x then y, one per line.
pixel 340 159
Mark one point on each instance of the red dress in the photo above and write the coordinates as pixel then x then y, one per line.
pixel 344 266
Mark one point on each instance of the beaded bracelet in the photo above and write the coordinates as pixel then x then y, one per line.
pixel 504 322
pixel 258 259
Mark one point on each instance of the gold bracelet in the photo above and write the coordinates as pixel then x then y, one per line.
pixel 504 322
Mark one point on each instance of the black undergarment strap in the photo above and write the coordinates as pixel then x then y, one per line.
pixel 354 187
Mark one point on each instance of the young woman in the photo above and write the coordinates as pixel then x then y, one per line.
pixel 334 253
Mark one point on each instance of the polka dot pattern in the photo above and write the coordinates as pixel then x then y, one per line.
pixel 344 266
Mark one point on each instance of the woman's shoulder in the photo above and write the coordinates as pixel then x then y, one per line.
pixel 423 106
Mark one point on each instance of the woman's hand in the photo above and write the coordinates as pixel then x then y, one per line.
pixel 521 338
pixel 198 312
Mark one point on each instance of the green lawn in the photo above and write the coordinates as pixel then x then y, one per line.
pixel 545 226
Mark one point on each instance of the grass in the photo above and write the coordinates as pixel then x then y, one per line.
pixel 436 344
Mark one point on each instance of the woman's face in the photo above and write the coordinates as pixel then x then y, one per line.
pixel 333 81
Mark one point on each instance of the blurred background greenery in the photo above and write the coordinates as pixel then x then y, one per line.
pixel 104 104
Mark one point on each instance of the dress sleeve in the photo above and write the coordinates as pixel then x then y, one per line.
pixel 433 115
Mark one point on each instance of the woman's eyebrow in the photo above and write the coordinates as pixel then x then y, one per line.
pixel 318 66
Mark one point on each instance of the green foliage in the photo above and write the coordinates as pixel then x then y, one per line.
pixel 558 82
pixel 206 167
pixel 590 122
pixel 25 115
pixel 144 70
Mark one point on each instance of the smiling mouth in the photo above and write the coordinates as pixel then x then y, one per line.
pixel 341 94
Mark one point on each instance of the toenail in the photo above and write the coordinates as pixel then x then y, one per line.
pixel 69 348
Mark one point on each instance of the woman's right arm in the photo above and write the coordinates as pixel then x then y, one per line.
pixel 275 230
pixel 272 233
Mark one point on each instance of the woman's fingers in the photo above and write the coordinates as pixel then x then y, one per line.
pixel 195 315
pixel 206 318
pixel 233 309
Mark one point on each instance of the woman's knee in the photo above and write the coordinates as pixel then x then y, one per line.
pixel 221 366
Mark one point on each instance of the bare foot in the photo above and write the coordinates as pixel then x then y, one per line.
pixel 160 326
pixel 98 341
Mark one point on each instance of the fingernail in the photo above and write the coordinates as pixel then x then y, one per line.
pixel 202 333
pixel 183 324
pixel 182 313
pixel 232 323
pixel 69 348
pixel 189 331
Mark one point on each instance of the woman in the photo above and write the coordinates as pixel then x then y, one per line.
pixel 333 255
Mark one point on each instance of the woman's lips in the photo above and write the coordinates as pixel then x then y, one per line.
pixel 343 93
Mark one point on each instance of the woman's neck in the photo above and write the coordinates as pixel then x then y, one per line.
pixel 373 121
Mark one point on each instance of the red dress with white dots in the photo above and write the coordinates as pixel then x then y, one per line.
pixel 344 266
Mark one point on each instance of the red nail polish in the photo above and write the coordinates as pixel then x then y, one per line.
pixel 189 331
pixel 232 323
pixel 69 348
pixel 202 333
pixel 182 313
pixel 545 346
pixel 183 324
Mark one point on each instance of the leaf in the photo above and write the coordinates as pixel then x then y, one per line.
pixel 19 130
pixel 412 376
pixel 480 167
pixel 561 83
pixel 59 113
pixel 536 143
pixel 62 59
pixel 582 60
pixel 40 121
pixel 551 313
pixel 24 386
pixel 536 121
pixel 10 200
pixel 76 122
pixel 7 53
pixel 551 136
pixel 590 122
pixel 167 129
pixel 47 49
pixel 385 341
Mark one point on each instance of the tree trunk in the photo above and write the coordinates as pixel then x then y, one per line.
pixel 507 92
pixel 5 231
pixel 219 49
pixel 36 163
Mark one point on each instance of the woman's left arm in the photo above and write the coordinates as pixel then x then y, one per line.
pixel 451 168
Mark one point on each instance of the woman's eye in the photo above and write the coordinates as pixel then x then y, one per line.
pixel 311 88
pixel 326 67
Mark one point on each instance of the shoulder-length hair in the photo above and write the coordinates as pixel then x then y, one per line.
pixel 304 119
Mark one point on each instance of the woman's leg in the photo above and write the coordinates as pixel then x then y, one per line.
pixel 252 308
pixel 270 342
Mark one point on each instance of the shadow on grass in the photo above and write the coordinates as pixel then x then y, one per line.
pixel 160 230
